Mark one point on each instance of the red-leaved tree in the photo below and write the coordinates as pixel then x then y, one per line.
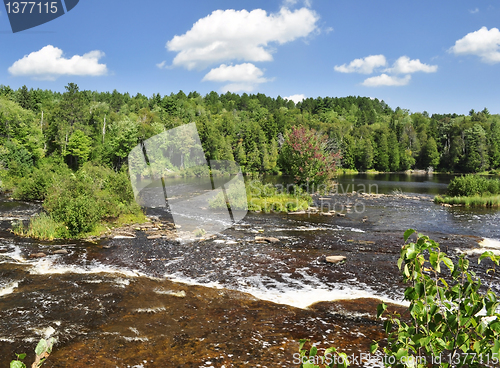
pixel 306 156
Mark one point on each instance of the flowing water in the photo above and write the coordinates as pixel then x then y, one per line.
pixel 228 301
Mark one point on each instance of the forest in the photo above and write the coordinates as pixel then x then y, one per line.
pixel 70 149
pixel 102 127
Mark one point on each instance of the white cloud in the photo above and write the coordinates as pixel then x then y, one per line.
pixel 386 80
pixel 49 64
pixel 296 98
pixel 364 66
pixel 246 72
pixel 474 11
pixel 482 43
pixel 404 65
pixel 227 35
pixel 245 77
pixel 161 65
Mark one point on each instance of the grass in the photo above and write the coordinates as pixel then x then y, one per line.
pixel 471 201
pixel 279 203
pixel 263 197
pixel 44 227
pixel 41 226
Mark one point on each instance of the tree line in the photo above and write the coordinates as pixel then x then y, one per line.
pixel 102 127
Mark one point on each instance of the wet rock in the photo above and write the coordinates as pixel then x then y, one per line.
pixel 297 213
pixel 123 235
pixel 156 236
pixel 446 205
pixel 38 255
pixel 327 214
pixel 60 251
pixel 335 259
pixel 341 214
pixel 266 239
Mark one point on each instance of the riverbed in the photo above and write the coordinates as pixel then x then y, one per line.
pixel 229 301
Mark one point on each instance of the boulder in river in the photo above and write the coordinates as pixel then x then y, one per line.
pixel 60 251
pixel 335 259
pixel 38 255
pixel 266 239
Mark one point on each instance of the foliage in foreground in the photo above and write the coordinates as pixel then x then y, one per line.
pixel 42 351
pixel 454 320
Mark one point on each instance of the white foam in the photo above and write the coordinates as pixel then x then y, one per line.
pixel 179 294
pixel 44 332
pixel 295 293
pixel 150 310
pixel 9 288
pixel 16 255
pixel 490 243
pixel 47 266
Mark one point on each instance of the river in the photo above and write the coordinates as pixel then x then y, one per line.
pixel 228 301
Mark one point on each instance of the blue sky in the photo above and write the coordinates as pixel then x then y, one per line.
pixel 437 56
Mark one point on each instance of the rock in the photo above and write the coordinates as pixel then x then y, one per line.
pixel 38 255
pixel 156 236
pixel 335 259
pixel 124 235
pixel 259 239
pixel 341 214
pixel 446 205
pixel 327 214
pixel 60 251
pixel 297 213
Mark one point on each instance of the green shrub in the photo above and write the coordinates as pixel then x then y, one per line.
pixel 92 194
pixel 470 185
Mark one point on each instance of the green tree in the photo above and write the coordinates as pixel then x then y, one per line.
pixel 393 152
pixel 476 158
pixel 79 147
pixel 430 154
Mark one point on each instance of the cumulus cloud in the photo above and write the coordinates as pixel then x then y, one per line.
pixel 227 35
pixel 404 65
pixel 244 77
pixel 483 43
pixel 296 98
pixel 474 11
pixel 49 64
pixel 364 65
pixel 386 80
pixel 370 64
pixel 246 72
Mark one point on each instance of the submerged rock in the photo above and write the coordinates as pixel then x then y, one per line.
pixel 38 255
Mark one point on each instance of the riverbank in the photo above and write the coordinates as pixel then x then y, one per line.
pixel 234 300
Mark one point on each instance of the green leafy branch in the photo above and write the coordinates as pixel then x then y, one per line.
pixel 450 316
pixel 42 351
